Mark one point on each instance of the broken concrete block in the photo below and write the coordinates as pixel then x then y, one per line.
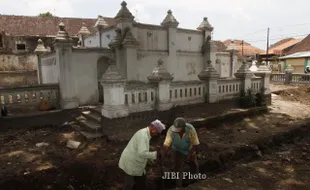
pixel 73 144
pixel 42 144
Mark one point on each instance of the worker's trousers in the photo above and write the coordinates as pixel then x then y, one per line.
pixel 180 161
pixel 139 182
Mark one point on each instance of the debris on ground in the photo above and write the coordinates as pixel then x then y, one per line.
pixel 42 144
pixel 73 144
pixel 94 165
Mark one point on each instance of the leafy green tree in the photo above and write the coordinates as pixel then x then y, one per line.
pixel 47 14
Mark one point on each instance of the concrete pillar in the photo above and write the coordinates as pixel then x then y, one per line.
pixel 113 83
pixel 130 45
pixel 115 46
pixel 170 24
pixel 209 47
pixel 288 74
pixel 63 47
pixel 163 78
pixel 40 50
pixel 264 73
pixel 211 77
pixel 245 74
pixel 233 50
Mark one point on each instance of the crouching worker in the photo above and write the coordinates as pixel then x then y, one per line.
pixel 183 139
pixel 136 154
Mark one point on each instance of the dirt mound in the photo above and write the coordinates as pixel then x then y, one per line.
pixel 300 94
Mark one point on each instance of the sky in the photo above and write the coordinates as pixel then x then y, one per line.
pixel 232 19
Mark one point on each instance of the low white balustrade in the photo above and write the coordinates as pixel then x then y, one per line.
pixel 140 98
pixel 228 89
pixel 184 93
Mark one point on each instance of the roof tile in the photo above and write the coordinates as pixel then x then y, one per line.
pixel 44 26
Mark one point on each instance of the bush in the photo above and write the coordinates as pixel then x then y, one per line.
pixel 248 99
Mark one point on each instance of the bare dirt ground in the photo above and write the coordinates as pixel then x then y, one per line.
pixel 287 167
pixel 94 164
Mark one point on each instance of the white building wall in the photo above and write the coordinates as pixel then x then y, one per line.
pixel 146 63
pixel 85 74
pixel 187 67
pixel 49 69
pixel 92 40
pixel 224 67
pixel 187 40
pixel 107 36
pixel 152 39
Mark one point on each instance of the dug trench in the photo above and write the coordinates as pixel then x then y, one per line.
pixel 223 144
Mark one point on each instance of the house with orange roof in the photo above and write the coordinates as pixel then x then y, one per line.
pixel 282 47
pixel 246 50
pixel 297 56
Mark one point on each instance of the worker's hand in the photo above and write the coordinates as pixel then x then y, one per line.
pixel 190 155
pixel 159 157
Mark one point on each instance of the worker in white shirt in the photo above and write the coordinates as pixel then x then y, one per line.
pixel 136 154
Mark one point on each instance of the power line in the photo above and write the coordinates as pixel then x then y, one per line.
pixel 254 32
pixel 272 28
pixel 282 36
pixel 278 38
pixel 291 25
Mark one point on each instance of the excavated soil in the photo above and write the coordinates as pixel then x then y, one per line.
pixel 94 164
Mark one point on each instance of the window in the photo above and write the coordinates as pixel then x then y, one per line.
pixel 21 46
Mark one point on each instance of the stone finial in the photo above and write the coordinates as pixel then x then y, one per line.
pixel 289 69
pixel 263 67
pixel 205 25
pixel 253 67
pixel 117 41
pixel 62 35
pixel 232 46
pixel 160 73
pixel 124 13
pixel 170 21
pixel 40 48
pixel 244 71
pixel 79 44
pixel 84 30
pixel 129 39
pixel 112 75
pixel 209 72
pixel 100 23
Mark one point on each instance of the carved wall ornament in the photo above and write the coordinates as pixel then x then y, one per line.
pixel 149 34
pixel 108 36
pixel 189 38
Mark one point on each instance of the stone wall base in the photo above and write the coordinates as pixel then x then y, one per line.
pixel 114 111
pixel 70 103
pixel 267 98
pixel 190 111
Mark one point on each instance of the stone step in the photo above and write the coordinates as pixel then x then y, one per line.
pixel 92 116
pixel 89 125
pixel 88 135
pixel 96 109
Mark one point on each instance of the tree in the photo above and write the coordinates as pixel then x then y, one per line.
pixel 47 14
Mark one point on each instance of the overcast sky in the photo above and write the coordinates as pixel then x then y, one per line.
pixel 231 19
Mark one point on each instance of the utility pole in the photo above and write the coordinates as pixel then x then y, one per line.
pixel 267 52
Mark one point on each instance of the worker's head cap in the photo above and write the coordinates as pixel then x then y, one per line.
pixel 158 125
pixel 178 124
